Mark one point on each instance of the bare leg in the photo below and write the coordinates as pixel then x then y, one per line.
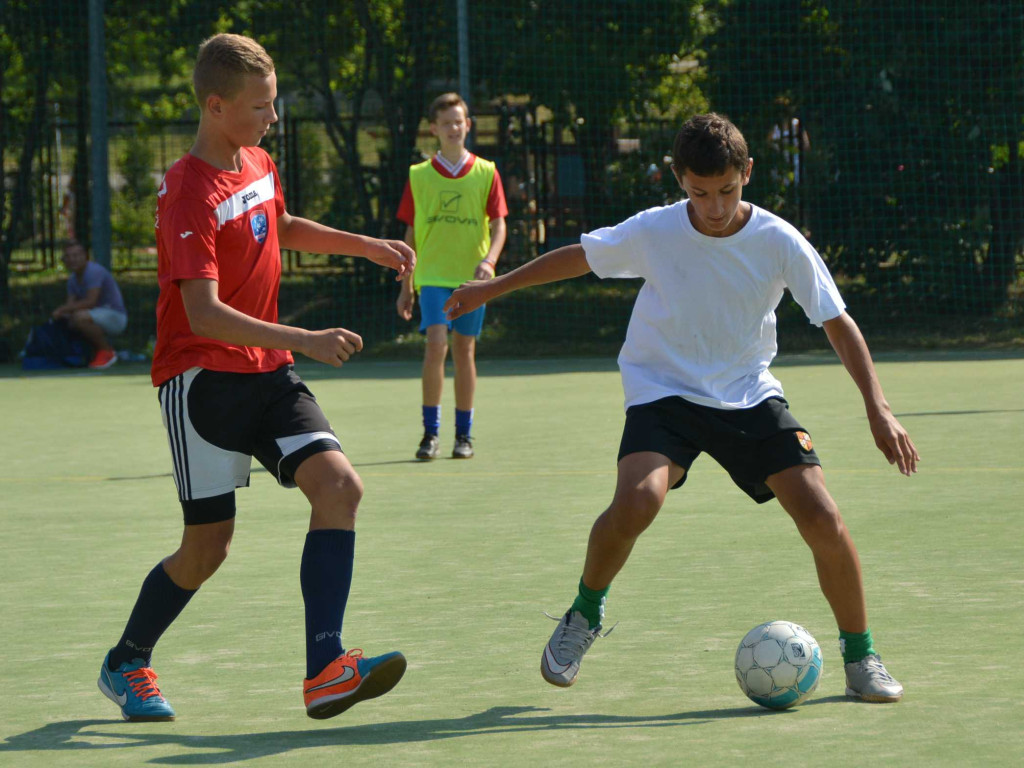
pixel 84 325
pixel 464 357
pixel 333 489
pixel 433 364
pixel 643 481
pixel 203 549
pixel 802 493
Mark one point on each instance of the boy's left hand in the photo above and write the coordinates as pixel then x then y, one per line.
pixel 484 271
pixel 894 442
pixel 395 254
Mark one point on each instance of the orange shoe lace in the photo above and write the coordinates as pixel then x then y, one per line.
pixel 354 653
pixel 143 683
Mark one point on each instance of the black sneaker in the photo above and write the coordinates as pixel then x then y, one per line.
pixel 463 447
pixel 430 448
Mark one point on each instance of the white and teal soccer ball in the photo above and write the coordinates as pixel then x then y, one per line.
pixel 778 664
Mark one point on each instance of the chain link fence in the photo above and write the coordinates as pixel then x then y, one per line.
pixel 891 133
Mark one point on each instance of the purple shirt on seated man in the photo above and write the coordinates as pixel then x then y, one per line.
pixel 94 307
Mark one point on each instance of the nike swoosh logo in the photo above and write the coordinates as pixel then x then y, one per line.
pixel 344 677
pixel 553 665
pixel 120 698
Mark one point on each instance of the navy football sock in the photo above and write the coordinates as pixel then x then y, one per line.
pixel 432 419
pixel 463 422
pixel 158 605
pixel 325 577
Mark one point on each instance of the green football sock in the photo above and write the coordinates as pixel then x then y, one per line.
pixel 855 645
pixel 590 602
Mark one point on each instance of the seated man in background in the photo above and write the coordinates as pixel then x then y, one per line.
pixel 94 307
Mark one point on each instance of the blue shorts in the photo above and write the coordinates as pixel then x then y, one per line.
pixel 432 299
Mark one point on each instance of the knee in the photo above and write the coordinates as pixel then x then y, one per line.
pixel 79 318
pixel 633 511
pixel 434 355
pixel 335 500
pixel 822 525
pixel 197 561
pixel 464 348
pixel 213 556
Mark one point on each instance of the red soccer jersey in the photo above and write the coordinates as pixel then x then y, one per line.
pixel 217 225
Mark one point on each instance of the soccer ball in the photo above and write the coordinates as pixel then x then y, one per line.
pixel 778 664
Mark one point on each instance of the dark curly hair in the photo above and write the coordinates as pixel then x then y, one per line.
pixel 709 145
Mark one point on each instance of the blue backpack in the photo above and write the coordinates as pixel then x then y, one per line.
pixel 54 345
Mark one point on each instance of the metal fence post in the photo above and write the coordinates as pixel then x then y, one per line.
pixel 99 135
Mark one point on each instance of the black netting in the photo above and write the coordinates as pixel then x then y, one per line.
pixel 889 132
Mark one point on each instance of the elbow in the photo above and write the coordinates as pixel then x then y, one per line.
pixel 200 322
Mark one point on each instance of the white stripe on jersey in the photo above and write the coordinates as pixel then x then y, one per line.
pixel 239 203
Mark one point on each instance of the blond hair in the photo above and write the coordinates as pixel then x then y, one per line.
pixel 223 63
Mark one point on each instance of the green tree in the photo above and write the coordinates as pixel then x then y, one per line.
pixel 914 115
pixel 592 64
pixel 133 205
pixel 40 50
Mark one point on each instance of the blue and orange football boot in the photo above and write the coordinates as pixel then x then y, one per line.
pixel 133 688
pixel 349 679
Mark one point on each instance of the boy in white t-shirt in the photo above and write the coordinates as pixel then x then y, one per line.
pixel 695 374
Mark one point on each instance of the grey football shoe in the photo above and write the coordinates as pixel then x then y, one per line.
pixel 463 447
pixel 430 448
pixel 868 679
pixel 560 663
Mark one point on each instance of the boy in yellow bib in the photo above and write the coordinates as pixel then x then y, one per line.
pixel 454 211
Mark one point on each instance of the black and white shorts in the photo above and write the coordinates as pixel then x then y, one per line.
pixel 216 422
pixel 750 443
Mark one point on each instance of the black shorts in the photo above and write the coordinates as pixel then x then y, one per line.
pixel 750 443
pixel 216 422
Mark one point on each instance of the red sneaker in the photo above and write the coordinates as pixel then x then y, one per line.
pixel 104 358
pixel 349 679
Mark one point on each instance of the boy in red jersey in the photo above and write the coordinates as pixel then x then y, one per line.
pixel 228 391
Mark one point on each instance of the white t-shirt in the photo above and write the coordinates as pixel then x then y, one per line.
pixel 703 325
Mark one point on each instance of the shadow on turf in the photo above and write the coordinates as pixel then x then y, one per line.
pixel 959 413
pixel 77 735
pixel 256 470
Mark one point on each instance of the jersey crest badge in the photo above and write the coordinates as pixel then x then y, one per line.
pixel 805 441
pixel 258 222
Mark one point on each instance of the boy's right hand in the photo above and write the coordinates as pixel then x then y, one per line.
pixel 404 303
pixel 333 346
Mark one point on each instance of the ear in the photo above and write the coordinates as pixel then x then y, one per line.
pixel 215 105
pixel 469 124
pixel 675 172
pixel 433 128
pixel 746 174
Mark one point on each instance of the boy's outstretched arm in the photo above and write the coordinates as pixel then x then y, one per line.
pixel 560 264
pixel 296 233
pixel 890 436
